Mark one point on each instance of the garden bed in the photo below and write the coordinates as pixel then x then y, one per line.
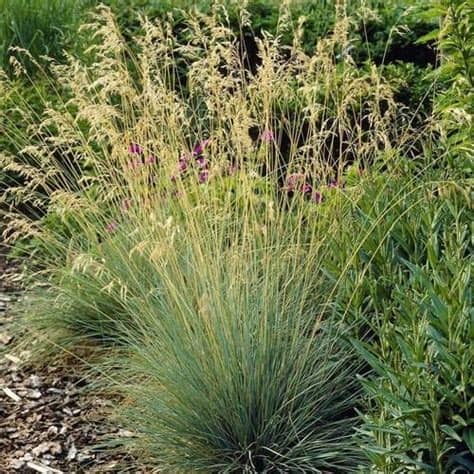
pixel 245 236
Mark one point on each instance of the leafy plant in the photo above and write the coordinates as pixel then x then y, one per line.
pixel 406 291
pixel 41 27
pixel 454 107
pixel 409 287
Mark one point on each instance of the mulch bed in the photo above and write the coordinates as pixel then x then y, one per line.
pixel 49 421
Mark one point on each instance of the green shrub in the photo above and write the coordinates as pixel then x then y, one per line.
pixel 424 393
pixel 409 286
pixel 409 289
pixel 454 105
pixel 42 27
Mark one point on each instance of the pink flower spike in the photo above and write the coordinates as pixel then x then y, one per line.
pixel 334 183
pixel 317 197
pixel 232 169
pixel 267 136
pixel 182 166
pixel 151 160
pixel 126 204
pixel 133 165
pixel 306 188
pixel 135 149
pixel 201 162
pixel 111 227
pixel 203 176
pixel 292 180
pixel 199 148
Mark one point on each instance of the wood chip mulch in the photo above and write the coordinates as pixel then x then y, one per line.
pixel 49 422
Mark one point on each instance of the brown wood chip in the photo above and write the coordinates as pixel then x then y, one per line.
pixel 11 394
pixel 41 468
pixel 12 358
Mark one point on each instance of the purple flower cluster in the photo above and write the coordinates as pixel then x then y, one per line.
pixel 135 149
pixel 197 159
pixel 138 154
pixel 296 183
pixel 199 148
pixel 111 227
pixel 267 136
pixel 126 204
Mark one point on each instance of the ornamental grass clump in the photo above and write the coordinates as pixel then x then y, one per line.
pixel 124 139
pixel 236 369
pixel 234 364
